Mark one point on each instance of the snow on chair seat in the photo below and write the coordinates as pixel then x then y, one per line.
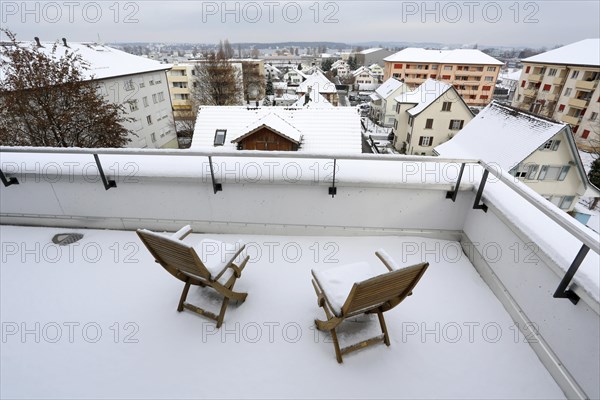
pixel 360 288
pixel 185 262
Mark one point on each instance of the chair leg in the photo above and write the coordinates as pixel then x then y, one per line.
pixel 386 337
pixel 184 294
pixel 336 345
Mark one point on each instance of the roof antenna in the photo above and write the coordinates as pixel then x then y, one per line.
pixel 65 42
pixel 37 42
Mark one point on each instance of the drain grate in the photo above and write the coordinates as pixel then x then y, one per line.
pixel 64 239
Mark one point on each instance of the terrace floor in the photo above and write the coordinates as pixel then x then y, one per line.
pixel 107 325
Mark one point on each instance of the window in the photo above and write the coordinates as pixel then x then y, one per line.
pixel 593 116
pixel 547 88
pixel 487 88
pixel 561 108
pixel 128 84
pixel 446 106
pixel 585 134
pixel 180 85
pixel 153 137
pixel 489 78
pixel 550 145
pixel 145 101
pixel 456 124
pixel 491 69
pixel 154 98
pixel 568 91
pixel 526 171
pixel 553 173
pixel 448 68
pixel 149 119
pixel 434 66
pixel 574 74
pixel 552 72
pixel 161 96
pixel 410 121
pixel 429 123
pixel 395 124
pixel 432 76
pixel 483 96
pixel 474 87
pixel 527 69
pixel 220 137
pixel 397 66
pixel 151 83
pixel 446 77
pixel 425 141
pixel 566 202
pixel 523 83
pixel 181 96
pixel 133 105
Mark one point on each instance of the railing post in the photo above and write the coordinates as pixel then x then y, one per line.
pixel 108 183
pixel 332 188
pixel 561 290
pixel 477 205
pixel 8 181
pixel 452 194
pixel 217 187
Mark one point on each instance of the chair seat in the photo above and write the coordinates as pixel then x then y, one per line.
pixel 337 282
pixel 215 255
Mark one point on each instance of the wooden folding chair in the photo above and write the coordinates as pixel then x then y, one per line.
pixel 355 289
pixel 183 261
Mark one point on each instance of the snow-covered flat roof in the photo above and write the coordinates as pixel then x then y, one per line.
pixel 500 135
pixel 457 56
pixel 371 50
pixel 584 52
pixel 428 92
pixel 513 74
pixel 120 333
pixel 104 61
pixel 323 129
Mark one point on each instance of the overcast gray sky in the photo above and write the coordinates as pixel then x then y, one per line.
pixel 502 23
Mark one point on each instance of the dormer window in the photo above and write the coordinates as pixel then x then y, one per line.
pixel 220 137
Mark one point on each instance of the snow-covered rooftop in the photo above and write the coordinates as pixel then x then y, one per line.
pixel 317 81
pixel 424 95
pixel 388 87
pixel 104 61
pixel 457 56
pixel 121 335
pixel 371 50
pixel 315 100
pixel 513 74
pixel 500 135
pixel 325 130
pixel 362 70
pixel 584 52
pixel 274 122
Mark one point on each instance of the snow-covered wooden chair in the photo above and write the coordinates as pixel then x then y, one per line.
pixel 208 263
pixel 349 290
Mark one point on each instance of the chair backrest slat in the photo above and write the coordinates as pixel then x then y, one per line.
pixel 395 285
pixel 173 254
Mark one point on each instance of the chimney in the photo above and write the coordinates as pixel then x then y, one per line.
pixel 306 98
pixel 65 42
pixel 37 42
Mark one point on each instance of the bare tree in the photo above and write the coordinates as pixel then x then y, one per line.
pixel 228 49
pixel 218 82
pixel 47 100
pixel 254 81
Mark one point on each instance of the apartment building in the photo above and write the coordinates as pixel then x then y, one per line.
pixel 472 73
pixel 537 151
pixel 562 84
pixel 374 55
pixel 137 83
pixel 181 84
pixel 428 116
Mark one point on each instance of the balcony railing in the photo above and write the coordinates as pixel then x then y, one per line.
pixel 535 78
pixel 570 225
pixel 578 103
pixel 571 120
pixel 586 85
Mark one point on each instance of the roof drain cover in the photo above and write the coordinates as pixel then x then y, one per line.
pixel 63 239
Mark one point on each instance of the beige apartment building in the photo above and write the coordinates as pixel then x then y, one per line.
pixel 472 73
pixel 562 84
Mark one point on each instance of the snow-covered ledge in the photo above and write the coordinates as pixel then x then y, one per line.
pixel 521 246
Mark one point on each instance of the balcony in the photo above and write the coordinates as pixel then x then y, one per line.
pixel 484 310
pixel 578 103
pixel 530 92
pixel 559 80
pixel 586 85
pixel 571 120
pixel 548 96
pixel 535 78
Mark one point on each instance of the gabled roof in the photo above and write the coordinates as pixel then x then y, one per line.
pixel 457 56
pixel 423 96
pixel 323 130
pixel 505 136
pixel 295 70
pixel 317 81
pixel 584 52
pixel 315 100
pixel 273 122
pixel 388 87
pixel 104 62
pixel 360 70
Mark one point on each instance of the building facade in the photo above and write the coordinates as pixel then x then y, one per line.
pixel 562 84
pixel 472 73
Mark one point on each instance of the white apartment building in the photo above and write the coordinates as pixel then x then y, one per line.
pixel 562 84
